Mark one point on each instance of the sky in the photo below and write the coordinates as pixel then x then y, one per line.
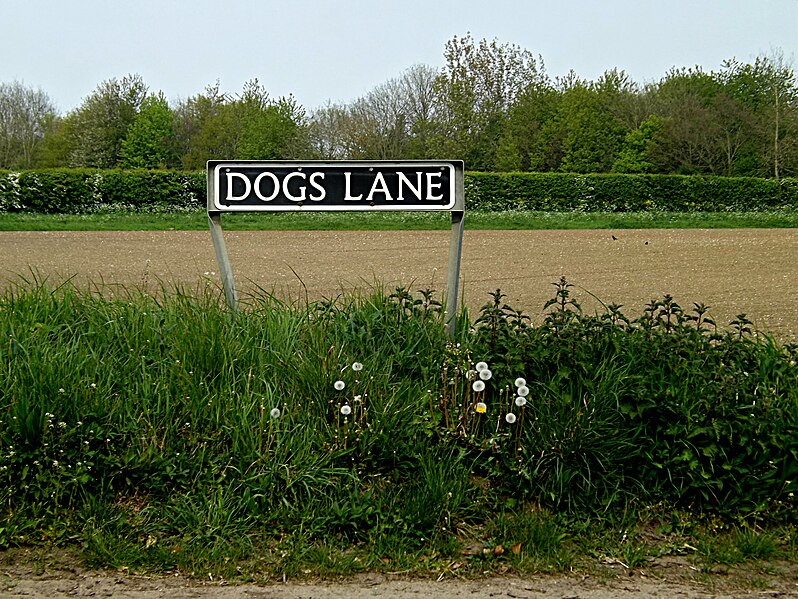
pixel 338 50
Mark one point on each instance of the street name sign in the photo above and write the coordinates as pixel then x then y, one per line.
pixel 254 186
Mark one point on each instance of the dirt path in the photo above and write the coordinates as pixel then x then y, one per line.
pixel 533 588
pixel 744 270
pixel 58 576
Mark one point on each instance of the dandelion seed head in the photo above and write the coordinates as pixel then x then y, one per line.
pixel 520 401
pixel 485 374
pixel 481 408
pixel 523 391
pixel 520 382
pixel 510 418
pixel 274 413
pixel 478 386
pixel 346 410
pixel 481 366
pixel 339 385
pixel 357 366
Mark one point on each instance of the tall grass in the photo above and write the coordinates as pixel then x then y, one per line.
pixel 167 432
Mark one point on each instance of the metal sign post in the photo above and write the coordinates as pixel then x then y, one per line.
pixel 268 186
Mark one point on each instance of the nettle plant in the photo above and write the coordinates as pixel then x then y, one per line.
pixel 665 407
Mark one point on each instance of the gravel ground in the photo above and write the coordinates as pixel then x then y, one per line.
pixel 754 271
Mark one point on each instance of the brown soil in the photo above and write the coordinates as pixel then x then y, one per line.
pixel 754 271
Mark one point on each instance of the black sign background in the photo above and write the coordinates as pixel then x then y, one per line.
pixel 312 185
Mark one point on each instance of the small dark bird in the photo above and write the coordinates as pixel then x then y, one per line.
pixel 614 238
pixel 646 242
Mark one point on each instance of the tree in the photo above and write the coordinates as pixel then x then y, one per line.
pixel 475 90
pixel 583 135
pixel 102 121
pixel 270 132
pixel 634 156
pixel 521 146
pixel 379 127
pixel 25 116
pixel 417 86
pixel 391 122
pixel 150 138
pixel 56 146
pixel 199 130
pixel 688 141
pixel 767 89
pixel 250 125
pixel 327 132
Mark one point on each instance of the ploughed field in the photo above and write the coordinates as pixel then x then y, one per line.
pixel 753 271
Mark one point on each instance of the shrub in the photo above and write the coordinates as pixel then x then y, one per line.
pixel 81 191
pixel 73 191
pixel 560 192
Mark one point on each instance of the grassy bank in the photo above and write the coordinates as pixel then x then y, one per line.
pixel 339 437
pixel 195 221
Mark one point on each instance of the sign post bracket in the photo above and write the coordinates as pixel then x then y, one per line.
pixel 225 270
pixel 453 273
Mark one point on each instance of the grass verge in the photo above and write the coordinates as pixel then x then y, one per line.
pixel 475 220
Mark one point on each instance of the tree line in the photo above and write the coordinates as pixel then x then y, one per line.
pixel 492 105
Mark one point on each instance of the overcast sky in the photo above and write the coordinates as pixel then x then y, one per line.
pixel 337 50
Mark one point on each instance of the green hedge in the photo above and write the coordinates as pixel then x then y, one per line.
pixel 83 191
pixel 70 191
pixel 626 193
